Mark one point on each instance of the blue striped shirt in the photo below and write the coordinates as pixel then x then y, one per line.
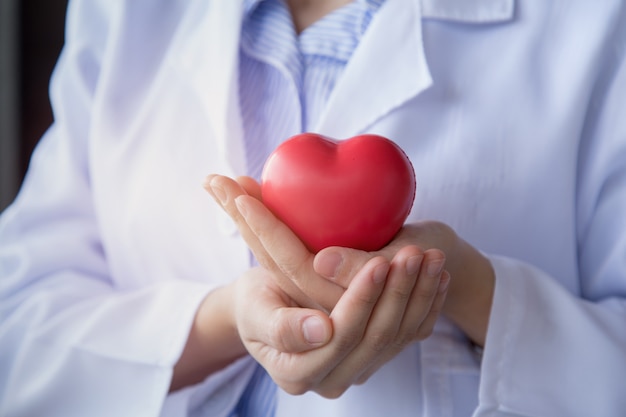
pixel 285 80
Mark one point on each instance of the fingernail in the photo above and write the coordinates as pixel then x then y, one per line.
pixel 206 182
pixel 242 207
pixel 380 273
pixel 329 263
pixel 218 191
pixel 314 330
pixel 413 264
pixel 444 283
pixel 435 267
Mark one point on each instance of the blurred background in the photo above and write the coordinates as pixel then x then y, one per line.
pixel 31 37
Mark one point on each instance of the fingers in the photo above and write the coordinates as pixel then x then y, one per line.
pixel 258 225
pixel 340 264
pixel 386 306
pixel 224 191
pixel 428 324
pixel 296 330
pixel 422 312
pixel 274 245
pixel 251 187
pixel 304 369
pixel 406 310
pixel 284 248
pixel 266 317
pixel 352 313
pixel 386 330
pixel 350 319
pixel 424 293
pixel 287 254
pixel 424 330
pixel 395 313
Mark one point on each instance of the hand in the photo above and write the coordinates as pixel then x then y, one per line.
pixel 385 307
pixel 381 311
pixel 299 273
pixel 274 245
pixel 468 303
pixel 279 250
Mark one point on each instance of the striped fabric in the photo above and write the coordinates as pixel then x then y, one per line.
pixel 285 80
pixel 284 83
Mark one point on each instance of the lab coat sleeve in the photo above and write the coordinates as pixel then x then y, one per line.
pixel 550 352
pixel 71 343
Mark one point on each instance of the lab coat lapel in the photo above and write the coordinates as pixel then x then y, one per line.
pixel 387 69
pixel 469 11
pixel 209 58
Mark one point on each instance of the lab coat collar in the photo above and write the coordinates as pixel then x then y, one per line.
pixel 389 66
pixel 469 11
pixel 387 69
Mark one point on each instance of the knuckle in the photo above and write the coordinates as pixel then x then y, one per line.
pixel 346 342
pixel 401 294
pixel 425 292
pixel 291 269
pixel 379 341
pixel 279 333
pixel 366 301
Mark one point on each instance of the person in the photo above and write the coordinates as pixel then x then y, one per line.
pixel 141 275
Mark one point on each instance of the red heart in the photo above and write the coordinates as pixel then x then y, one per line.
pixel 354 193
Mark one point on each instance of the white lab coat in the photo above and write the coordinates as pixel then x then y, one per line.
pixel 512 112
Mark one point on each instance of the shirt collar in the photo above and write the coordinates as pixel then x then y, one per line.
pixel 470 11
pixel 250 5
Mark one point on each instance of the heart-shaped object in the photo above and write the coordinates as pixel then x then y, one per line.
pixel 354 193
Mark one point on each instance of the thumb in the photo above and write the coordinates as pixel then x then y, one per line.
pixel 295 330
pixel 340 264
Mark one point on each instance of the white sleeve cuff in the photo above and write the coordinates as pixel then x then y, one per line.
pixel 544 343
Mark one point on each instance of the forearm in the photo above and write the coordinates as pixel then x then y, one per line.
pixel 213 341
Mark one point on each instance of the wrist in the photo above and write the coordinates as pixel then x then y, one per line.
pixel 213 340
pixel 469 298
pixel 217 325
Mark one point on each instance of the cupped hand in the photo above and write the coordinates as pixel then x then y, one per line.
pixel 469 299
pixel 300 273
pixel 386 306
pixel 319 280
pixel 274 245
